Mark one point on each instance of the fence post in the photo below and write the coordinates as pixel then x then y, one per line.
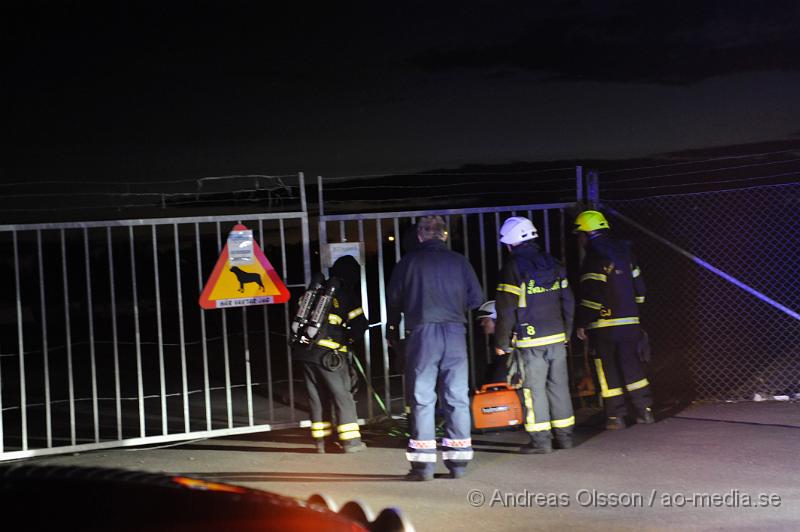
pixel 579 204
pixel 323 227
pixel 304 228
pixel 593 188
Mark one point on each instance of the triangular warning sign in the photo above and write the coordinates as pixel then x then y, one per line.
pixel 250 282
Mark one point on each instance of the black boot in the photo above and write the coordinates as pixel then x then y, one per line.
pixel 615 423
pixel 646 417
pixel 541 443
pixel 457 472
pixel 419 475
pixel 563 438
pixel 563 442
pixel 319 443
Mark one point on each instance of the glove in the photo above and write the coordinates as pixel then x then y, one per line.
pixel 499 351
pixel 643 348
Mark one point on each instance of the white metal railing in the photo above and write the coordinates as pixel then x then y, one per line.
pixel 103 343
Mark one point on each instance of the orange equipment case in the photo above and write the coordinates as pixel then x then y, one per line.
pixel 496 405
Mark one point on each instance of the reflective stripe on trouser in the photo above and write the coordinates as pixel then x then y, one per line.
pixel 325 389
pixel 348 431
pixel 421 452
pixel 457 452
pixel 546 395
pixel 437 352
pixel 619 370
pixel 320 429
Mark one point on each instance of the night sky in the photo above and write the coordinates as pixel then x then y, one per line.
pixel 173 90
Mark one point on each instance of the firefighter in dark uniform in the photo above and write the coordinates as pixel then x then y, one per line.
pixel 434 288
pixel 535 307
pixel 611 289
pixel 326 364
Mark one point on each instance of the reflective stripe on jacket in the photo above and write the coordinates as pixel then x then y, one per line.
pixel 611 285
pixel 533 300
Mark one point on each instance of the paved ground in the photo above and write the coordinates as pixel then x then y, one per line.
pixel 642 478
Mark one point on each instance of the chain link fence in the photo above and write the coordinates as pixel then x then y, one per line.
pixel 727 342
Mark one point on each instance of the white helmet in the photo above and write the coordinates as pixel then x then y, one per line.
pixel 487 310
pixel 517 229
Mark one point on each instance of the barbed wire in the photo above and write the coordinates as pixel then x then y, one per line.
pixel 703 171
pixel 200 181
pixel 223 201
pixel 702 161
pixel 197 180
pixel 163 197
pixel 705 192
pixel 563 168
pixel 446 185
pixel 275 183
pixel 139 194
pixel 514 194
pixel 423 173
pixel 696 183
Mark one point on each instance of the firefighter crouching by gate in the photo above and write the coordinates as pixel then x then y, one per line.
pixel 325 353
pixel 611 288
pixel 534 301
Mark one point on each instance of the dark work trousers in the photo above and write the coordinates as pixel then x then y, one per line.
pixel 546 395
pixel 619 370
pixel 326 388
pixel 400 351
pixel 436 355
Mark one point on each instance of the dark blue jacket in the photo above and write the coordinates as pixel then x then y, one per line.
pixel 533 300
pixel 432 284
pixel 611 285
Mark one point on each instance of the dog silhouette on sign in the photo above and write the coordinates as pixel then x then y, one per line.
pixel 246 277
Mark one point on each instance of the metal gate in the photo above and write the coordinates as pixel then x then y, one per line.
pixel 473 233
pixel 103 343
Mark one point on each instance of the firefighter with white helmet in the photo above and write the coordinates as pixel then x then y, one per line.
pixel 611 290
pixel 516 230
pixel 535 304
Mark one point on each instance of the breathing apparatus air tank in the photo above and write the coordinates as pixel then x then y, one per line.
pixel 306 306
pixel 322 307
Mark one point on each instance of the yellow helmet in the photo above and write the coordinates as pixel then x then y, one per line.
pixel 590 221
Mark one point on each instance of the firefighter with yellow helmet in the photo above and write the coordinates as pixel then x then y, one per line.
pixel 535 306
pixel 611 289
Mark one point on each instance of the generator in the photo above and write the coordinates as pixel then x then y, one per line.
pixel 496 406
